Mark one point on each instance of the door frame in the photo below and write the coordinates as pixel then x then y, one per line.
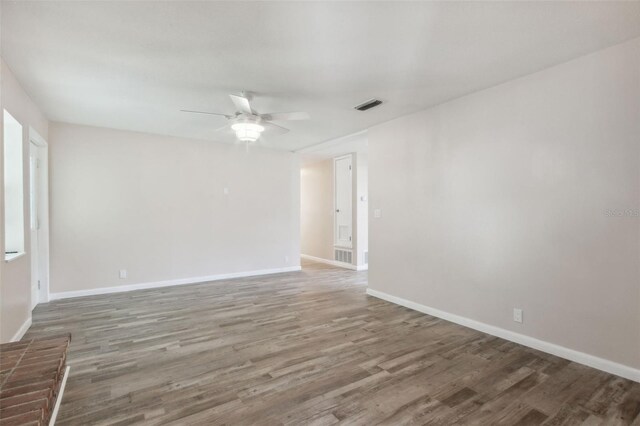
pixel 335 203
pixel 42 252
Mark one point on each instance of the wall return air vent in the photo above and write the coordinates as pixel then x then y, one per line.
pixel 368 104
pixel 344 256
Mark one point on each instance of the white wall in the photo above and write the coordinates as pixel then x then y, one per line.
pixel 500 199
pixel 316 209
pixel 156 207
pixel 15 291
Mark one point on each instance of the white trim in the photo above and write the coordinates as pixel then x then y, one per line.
pixel 35 137
pixel 551 348
pixel 43 213
pixel 13 256
pixel 329 262
pixel 168 283
pixel 22 330
pixel 52 421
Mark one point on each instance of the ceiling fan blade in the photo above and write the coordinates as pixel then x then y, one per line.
pixel 242 104
pixel 273 129
pixel 224 129
pixel 205 112
pixel 286 116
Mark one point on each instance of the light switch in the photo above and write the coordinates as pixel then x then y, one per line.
pixel 226 191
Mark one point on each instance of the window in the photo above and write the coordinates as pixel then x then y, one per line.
pixel 13 188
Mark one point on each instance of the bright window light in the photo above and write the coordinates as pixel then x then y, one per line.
pixel 13 188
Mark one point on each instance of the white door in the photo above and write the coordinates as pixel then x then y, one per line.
pixel 34 195
pixel 343 193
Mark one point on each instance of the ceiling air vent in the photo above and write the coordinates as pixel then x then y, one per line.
pixel 368 104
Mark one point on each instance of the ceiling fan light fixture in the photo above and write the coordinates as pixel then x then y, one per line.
pixel 247 132
pixel 248 124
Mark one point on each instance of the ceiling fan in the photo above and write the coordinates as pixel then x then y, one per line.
pixel 248 124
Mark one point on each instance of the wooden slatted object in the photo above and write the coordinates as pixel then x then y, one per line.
pixel 31 374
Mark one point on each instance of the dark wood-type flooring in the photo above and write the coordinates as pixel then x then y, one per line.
pixel 304 348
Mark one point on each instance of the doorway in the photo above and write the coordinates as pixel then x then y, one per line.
pixel 334 203
pixel 39 214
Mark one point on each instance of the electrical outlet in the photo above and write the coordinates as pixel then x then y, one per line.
pixel 123 274
pixel 225 191
pixel 517 315
pixel 286 259
pixel 377 213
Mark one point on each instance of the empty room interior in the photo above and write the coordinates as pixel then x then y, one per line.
pixel 320 212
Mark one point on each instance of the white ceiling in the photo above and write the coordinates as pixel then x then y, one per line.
pixel 357 142
pixel 134 65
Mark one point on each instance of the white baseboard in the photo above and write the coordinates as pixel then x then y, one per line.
pixel 551 348
pixel 334 263
pixel 22 330
pixel 54 415
pixel 168 283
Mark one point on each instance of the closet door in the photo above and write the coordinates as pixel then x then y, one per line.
pixel 343 201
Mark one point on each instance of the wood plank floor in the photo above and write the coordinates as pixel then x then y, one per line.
pixel 308 348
